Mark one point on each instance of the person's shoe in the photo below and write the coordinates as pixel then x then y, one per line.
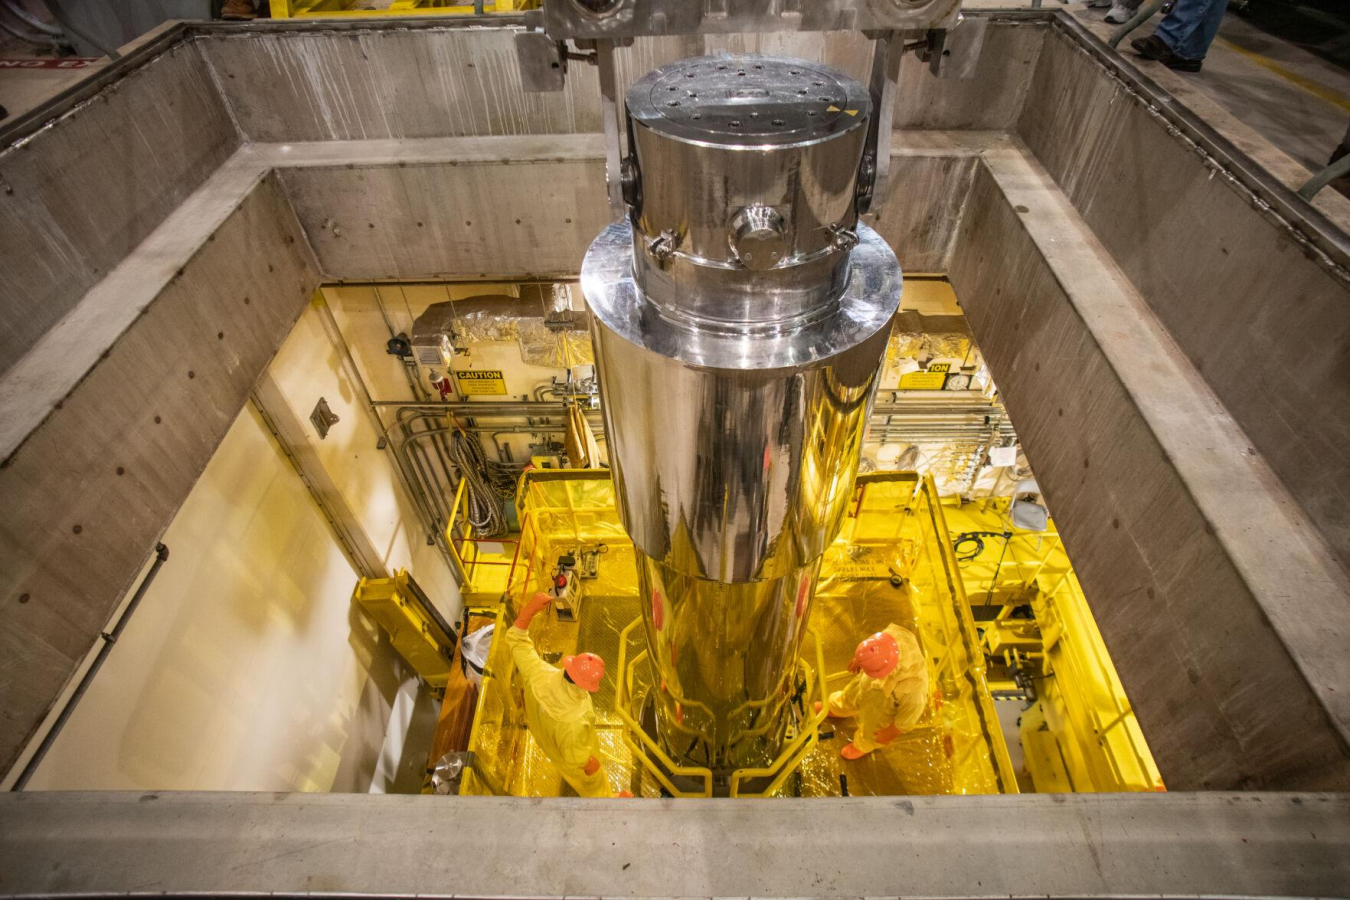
pixel 851 751
pixel 1119 14
pixel 1153 47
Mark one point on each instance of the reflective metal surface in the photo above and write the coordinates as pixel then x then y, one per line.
pixel 748 169
pixel 737 388
pixel 631 18
pixel 735 451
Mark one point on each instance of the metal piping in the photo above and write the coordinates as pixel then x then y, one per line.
pixel 29 19
pixel 37 40
pixel 109 638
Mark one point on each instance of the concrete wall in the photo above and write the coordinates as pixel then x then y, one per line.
pixel 308 366
pixel 245 666
pixel 81 195
pixel 89 492
pixel 1228 685
pixel 395 184
pixel 1265 320
pixel 502 207
pixel 378 83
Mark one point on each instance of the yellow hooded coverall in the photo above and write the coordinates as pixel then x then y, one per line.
pixel 898 699
pixel 560 717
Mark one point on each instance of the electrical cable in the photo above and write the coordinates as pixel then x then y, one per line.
pixel 976 538
pixel 486 484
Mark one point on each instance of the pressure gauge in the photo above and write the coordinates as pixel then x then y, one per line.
pixel 957 383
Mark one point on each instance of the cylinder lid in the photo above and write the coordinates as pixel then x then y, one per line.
pixel 748 100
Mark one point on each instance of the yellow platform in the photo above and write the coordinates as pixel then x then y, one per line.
pixel 1078 732
pixel 894 529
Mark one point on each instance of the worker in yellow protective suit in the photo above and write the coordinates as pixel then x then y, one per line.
pixel 888 692
pixel 558 705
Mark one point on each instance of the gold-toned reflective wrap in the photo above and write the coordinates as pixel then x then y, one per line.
pixel 739 315
pixel 723 643
pixel 890 530
pixel 895 533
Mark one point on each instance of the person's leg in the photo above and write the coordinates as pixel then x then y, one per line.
pixel 1190 27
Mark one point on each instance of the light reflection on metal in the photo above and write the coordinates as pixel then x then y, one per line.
pixel 737 386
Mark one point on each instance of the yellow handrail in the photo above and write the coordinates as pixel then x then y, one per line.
pixel 806 738
pixel 1007 776
pixel 633 728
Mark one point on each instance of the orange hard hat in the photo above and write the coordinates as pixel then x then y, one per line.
pixel 877 655
pixel 585 670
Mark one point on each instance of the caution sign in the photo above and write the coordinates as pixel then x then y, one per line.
pixel 932 379
pixel 480 381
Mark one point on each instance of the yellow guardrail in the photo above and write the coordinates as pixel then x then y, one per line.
pixel 649 753
pixel 975 671
pixel 802 744
pixel 644 743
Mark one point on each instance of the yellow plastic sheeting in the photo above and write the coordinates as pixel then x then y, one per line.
pixel 955 748
pixel 1081 734
pixel 560 512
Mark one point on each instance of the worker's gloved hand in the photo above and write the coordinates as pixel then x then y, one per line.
pixel 886 735
pixel 627 795
pixel 527 612
pixel 592 766
pixel 854 667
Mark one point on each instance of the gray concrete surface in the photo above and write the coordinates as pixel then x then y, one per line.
pixel 1213 593
pixel 93 487
pixel 100 180
pixel 1265 320
pixel 1092 845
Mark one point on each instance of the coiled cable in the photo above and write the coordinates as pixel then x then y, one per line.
pixel 486 485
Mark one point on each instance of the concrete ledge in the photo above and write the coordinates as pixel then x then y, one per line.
pixel 330 190
pixel 1089 845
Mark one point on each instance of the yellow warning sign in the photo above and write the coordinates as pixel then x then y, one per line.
pixel 480 381
pixel 931 380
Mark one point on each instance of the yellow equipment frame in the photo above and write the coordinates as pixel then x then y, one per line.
pixel 911 496
pixel 415 634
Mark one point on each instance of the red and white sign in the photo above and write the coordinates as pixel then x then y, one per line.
pixel 69 62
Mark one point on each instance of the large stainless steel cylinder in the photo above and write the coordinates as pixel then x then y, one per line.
pixel 740 316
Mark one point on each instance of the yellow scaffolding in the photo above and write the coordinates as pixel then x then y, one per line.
pixel 415 629
pixel 307 9
pixel 484 565
pixel 894 523
pixel 1080 732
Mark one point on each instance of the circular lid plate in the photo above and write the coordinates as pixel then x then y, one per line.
pixel 866 306
pixel 748 100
